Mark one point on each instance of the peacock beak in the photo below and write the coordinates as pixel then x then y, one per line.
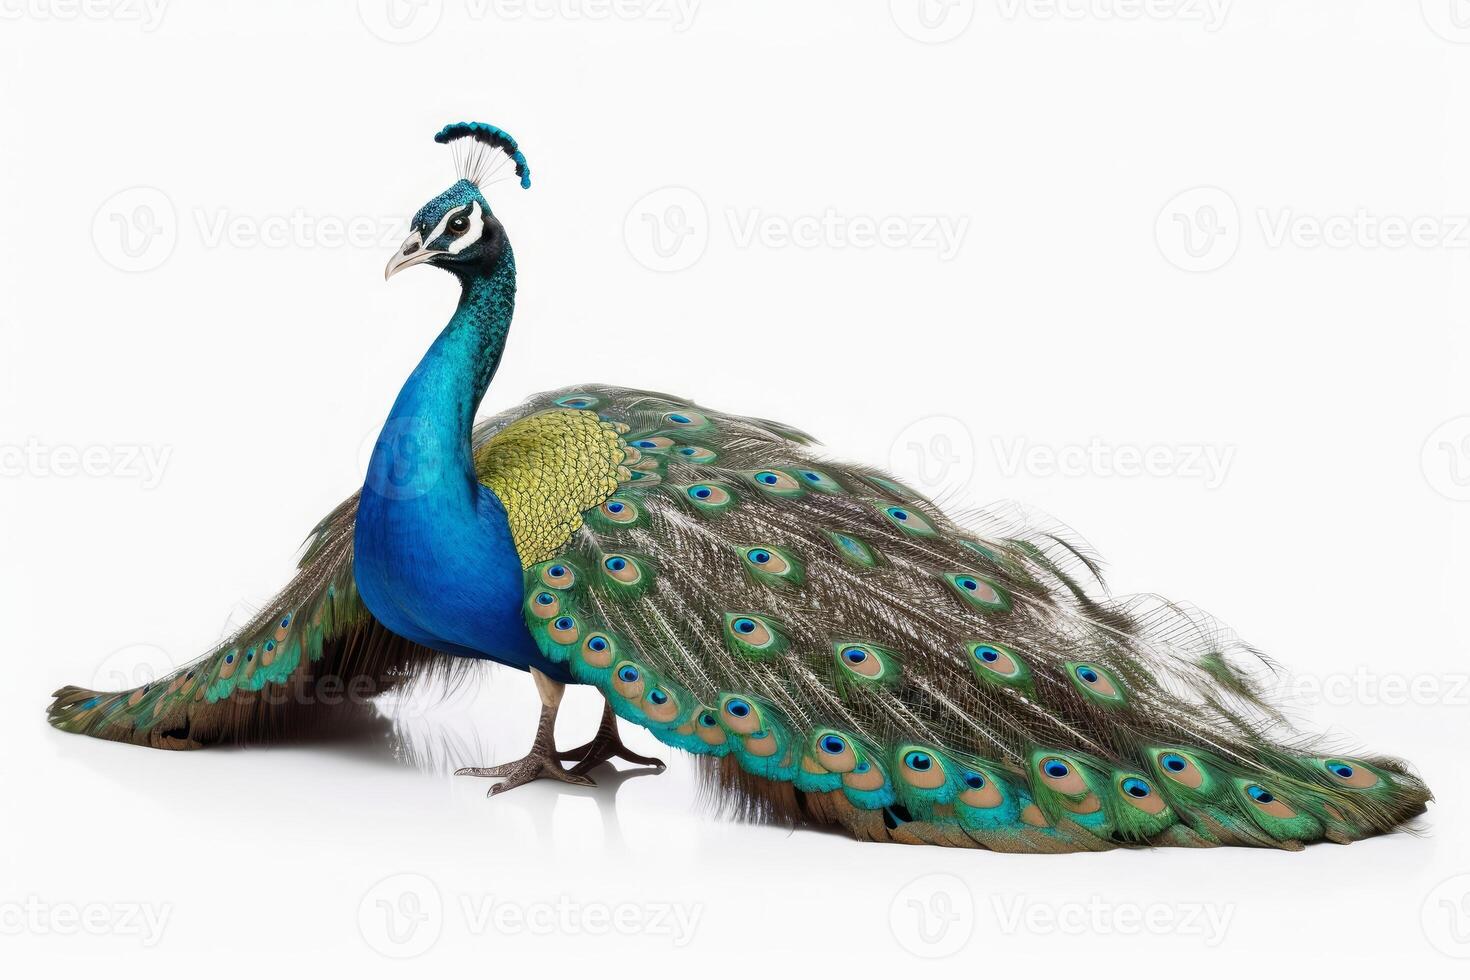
pixel 411 252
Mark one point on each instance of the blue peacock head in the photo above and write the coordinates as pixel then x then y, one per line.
pixel 457 230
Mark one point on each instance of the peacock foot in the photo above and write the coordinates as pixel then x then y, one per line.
pixel 542 762
pixel 606 744
pixel 539 763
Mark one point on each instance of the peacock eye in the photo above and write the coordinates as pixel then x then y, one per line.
pixel 459 223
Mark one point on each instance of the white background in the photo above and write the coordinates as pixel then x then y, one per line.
pixel 1138 188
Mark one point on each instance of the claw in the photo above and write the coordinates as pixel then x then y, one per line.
pixel 605 745
pixel 542 761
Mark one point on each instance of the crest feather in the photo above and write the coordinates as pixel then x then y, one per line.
pixel 477 151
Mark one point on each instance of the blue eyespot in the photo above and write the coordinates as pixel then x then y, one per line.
pixel 627 673
pixel 769 479
pixel 707 720
pixel 615 507
pixel 918 761
pixel 687 451
pixel 813 477
pixel 855 655
pixel 1087 674
pixel 678 419
pixel 556 571
pixel 1136 788
pixel 564 623
pixel 575 403
pixel 1260 794
pixel 646 444
pixel 738 708
pixel 285 621
pixel 1341 770
pixel 270 645
pixel 758 555
pixel 229 658
pixel 974 780
pixel 545 598
pixel 833 745
pixel 616 563
pixel 702 493
pixel 965 582
pixel 249 656
pixel 1055 768
pixel 744 626
pixel 988 654
pixel 658 697
pixel 862 767
pixel 1175 763
pixel 898 513
pixel 597 643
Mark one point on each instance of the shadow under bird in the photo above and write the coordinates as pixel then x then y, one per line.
pixel 831 646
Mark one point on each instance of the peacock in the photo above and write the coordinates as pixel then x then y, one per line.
pixel 829 644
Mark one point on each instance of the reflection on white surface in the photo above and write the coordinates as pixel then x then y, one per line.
pixel 366 846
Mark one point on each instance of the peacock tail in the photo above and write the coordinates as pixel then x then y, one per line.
pixel 839 651
pixel 311 660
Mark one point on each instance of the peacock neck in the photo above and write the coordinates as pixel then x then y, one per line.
pixel 425 449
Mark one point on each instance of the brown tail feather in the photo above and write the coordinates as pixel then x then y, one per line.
pixel 327 694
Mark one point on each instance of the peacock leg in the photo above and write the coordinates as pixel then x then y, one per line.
pixel 605 745
pixel 541 762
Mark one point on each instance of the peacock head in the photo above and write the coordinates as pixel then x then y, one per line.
pixel 457 230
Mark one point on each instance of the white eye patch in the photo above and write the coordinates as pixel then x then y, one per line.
pixel 472 233
pixel 468 237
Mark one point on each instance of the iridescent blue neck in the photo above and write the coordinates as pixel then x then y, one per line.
pixel 425 447
pixel 433 554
